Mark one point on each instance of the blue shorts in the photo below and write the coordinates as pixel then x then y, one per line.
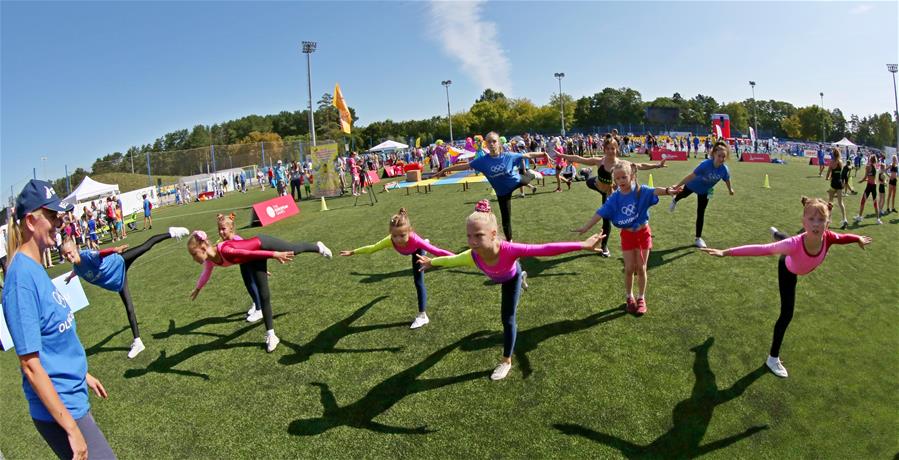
pixel 93 237
pixel 146 213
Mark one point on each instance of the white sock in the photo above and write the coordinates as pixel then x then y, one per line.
pixel 628 295
pixel 640 296
pixel 270 333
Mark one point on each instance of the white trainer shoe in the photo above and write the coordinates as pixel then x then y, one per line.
pixel 255 316
pixel 776 366
pixel 524 280
pixel 879 222
pixel 136 347
pixel 501 371
pixel 858 219
pixel 252 309
pixel 323 250
pixel 271 342
pixel 178 232
pixel 700 243
pixel 420 321
pixel 672 205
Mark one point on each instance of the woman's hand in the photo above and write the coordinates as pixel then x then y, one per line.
pixel 864 241
pixel 284 257
pixel 77 444
pixel 95 385
pixel 425 262
pixel 590 243
pixel 662 163
pixel 346 253
pixel 714 252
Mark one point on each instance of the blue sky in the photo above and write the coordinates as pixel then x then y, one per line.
pixel 80 80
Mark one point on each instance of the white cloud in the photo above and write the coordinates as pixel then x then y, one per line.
pixel 860 9
pixel 467 37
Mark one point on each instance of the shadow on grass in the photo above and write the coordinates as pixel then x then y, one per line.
pixel 657 258
pixel 165 364
pixel 382 397
pixel 691 417
pixel 98 347
pixel 191 328
pixel 326 340
pixel 530 339
pixel 378 277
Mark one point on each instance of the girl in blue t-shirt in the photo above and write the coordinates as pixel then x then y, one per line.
pixel 501 170
pixel 42 327
pixel 701 181
pixel 628 209
pixel 108 269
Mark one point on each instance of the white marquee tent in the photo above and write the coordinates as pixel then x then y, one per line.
pixel 388 145
pixel 90 188
pixel 844 143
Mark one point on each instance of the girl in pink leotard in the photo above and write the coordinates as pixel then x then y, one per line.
pixel 408 243
pixel 498 259
pixel 799 255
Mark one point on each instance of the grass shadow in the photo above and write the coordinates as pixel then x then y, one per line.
pixel 657 258
pixel 165 364
pixel 98 347
pixel 530 339
pixel 382 397
pixel 326 340
pixel 378 277
pixel 190 328
pixel 691 417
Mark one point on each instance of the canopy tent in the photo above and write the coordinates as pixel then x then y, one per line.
pixel 90 188
pixel 844 143
pixel 388 145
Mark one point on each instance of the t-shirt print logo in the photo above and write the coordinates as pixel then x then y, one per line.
pixel 629 210
pixel 496 169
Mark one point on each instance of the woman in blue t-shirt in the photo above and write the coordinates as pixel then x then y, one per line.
pixel 42 326
pixel 501 170
pixel 109 270
pixel 701 181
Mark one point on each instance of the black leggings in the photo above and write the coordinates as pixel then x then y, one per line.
pixel 419 277
pixel 258 273
pixel 786 281
pixel 511 294
pixel 701 203
pixel 505 208
pixel 606 223
pixel 130 256
pixel 247 275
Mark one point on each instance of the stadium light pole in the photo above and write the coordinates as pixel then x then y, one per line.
pixel 308 49
pixel 449 116
pixel 822 117
pixel 560 76
pixel 893 68
pixel 44 168
pixel 755 113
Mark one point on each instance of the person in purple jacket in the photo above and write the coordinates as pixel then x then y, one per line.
pixel 406 242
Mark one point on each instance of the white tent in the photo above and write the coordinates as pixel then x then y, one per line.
pixel 388 145
pixel 90 188
pixel 844 143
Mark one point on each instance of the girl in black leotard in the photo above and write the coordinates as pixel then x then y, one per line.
pixel 602 182
pixel 891 195
pixel 834 173
pixel 844 175
pixel 870 189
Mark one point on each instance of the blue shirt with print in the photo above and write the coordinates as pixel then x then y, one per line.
pixel 501 171
pixel 626 210
pixel 107 272
pixel 707 175
pixel 147 206
pixel 40 321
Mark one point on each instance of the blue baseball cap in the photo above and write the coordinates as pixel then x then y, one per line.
pixel 38 194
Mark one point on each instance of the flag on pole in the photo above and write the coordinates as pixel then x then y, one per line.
pixel 418 142
pixel 345 118
pixel 752 134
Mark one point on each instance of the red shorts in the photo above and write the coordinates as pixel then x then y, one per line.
pixel 641 239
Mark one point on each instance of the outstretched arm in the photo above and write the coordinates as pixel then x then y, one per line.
pixel 596 161
pixel 689 177
pixel 462 259
pixel 535 155
pixel 554 249
pixel 645 166
pixel 848 238
pixel 383 244
pixel 779 247
pixel 590 223
pixel 456 167
pixel 659 191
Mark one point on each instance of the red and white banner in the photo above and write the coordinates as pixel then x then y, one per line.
pixel 756 157
pixel 670 155
pixel 814 161
pixel 275 209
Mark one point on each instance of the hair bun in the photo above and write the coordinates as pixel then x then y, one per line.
pixel 200 235
pixel 482 206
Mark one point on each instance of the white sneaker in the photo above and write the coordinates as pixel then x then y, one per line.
pixel 420 321
pixel 271 342
pixel 501 371
pixel 524 280
pixel 605 253
pixel 323 250
pixel 255 316
pixel 252 309
pixel 672 205
pixel 136 347
pixel 699 243
pixel 858 219
pixel 178 232
pixel 773 231
pixel 879 222
pixel 776 366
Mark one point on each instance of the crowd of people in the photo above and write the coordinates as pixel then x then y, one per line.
pixel 53 361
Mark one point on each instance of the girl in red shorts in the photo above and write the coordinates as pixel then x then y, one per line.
pixel 628 209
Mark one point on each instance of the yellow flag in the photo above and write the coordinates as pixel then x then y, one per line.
pixel 418 142
pixel 345 118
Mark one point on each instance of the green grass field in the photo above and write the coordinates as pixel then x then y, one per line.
pixel 350 380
